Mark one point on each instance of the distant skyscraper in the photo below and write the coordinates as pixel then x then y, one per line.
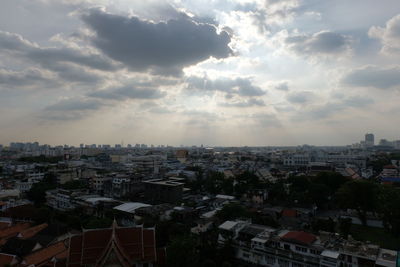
pixel 369 140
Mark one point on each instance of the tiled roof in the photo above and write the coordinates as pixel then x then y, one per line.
pixel 6 259
pixel 56 250
pixel 128 244
pixel 300 237
pixel 13 230
pixel 4 225
pixel 30 232
pixel 289 213
pixel 389 167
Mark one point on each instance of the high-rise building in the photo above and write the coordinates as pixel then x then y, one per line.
pixel 369 140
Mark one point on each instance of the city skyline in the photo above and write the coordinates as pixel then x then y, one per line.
pixel 368 142
pixel 216 72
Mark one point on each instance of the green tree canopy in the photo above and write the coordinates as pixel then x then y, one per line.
pixel 360 196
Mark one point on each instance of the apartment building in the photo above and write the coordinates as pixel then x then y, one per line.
pixel 260 245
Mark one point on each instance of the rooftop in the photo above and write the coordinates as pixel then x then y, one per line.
pixel 130 207
pixel 300 237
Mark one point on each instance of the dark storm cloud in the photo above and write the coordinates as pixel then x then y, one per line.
pixel 324 42
pixel 66 62
pixel 128 92
pixel 164 47
pixel 373 76
pixel 239 86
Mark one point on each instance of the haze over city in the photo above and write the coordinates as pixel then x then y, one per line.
pixel 216 72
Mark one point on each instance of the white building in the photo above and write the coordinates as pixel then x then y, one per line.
pixel 264 246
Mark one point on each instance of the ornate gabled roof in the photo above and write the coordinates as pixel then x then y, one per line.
pixel 123 245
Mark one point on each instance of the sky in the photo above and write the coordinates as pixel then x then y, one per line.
pixel 212 72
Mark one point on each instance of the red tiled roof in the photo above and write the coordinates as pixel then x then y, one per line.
pixel 30 232
pixel 149 245
pixel 6 259
pixel 161 255
pixel 131 239
pixel 94 243
pixel 389 167
pixel 130 244
pixel 42 256
pixel 300 237
pixel 4 225
pixel 13 230
pixel 289 213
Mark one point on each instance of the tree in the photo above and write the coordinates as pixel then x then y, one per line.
pixel 232 211
pixel 182 252
pixel 74 184
pixel 360 196
pixel 389 208
pixel 245 182
pixel 94 223
pixel 332 180
pixel 213 182
pixel 318 194
pixel 38 191
pixel 345 226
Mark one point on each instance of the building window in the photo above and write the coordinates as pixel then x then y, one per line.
pixel 301 249
pixel 313 251
pixel 287 247
pixel 349 258
pixel 283 263
pixel 270 260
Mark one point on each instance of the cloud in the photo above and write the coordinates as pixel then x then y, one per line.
pixel 72 104
pixel 325 110
pixel 66 62
pixel 244 104
pixel 164 47
pixel 301 97
pixel 29 78
pixel 373 76
pixel 270 12
pixel 71 109
pixel 241 86
pixel 265 120
pixel 46 56
pixel 128 92
pixel 282 86
pixel 320 43
pixel 389 36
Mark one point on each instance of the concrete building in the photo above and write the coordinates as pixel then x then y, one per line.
pixel 163 191
pixel 264 246
pixel 369 140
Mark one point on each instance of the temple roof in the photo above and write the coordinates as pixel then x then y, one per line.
pixel 125 245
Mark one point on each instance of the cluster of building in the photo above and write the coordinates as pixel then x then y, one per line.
pixel 264 246
pixel 138 182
